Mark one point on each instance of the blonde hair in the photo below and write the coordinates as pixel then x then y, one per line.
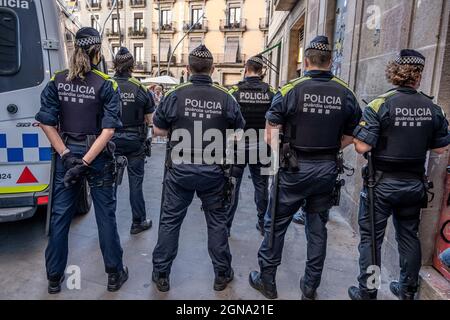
pixel 80 62
pixel 403 75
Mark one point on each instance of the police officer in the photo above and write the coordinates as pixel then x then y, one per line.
pixel 255 97
pixel 137 109
pixel 399 128
pixel 80 109
pixel 317 115
pixel 193 108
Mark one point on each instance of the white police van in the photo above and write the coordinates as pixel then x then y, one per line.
pixel 36 37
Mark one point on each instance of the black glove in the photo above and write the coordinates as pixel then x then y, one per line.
pixel 70 161
pixel 74 175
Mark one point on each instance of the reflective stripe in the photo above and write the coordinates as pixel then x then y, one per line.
pixel 107 78
pixel 138 83
pixel 291 85
pixel 177 87
pixel 234 89
pixel 376 104
pixel 23 189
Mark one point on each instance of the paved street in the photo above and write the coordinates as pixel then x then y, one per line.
pixel 22 245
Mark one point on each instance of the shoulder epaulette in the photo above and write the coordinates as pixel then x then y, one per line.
pixel 107 78
pixel 217 86
pixel 182 85
pixel 429 97
pixel 343 83
pixel 56 73
pixel 233 89
pixel 138 83
pixel 291 85
pixel 378 102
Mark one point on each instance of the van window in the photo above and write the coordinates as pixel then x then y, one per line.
pixel 9 43
pixel 21 57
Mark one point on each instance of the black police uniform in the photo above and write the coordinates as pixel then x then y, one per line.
pixel 254 97
pixel 130 140
pixel 315 111
pixel 82 108
pixel 401 126
pixel 197 101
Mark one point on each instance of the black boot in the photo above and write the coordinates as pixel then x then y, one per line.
pixel 267 288
pixel 221 282
pixel 137 228
pixel 162 281
pixel 116 280
pixel 356 293
pixel 54 286
pixel 260 227
pixel 307 292
pixel 399 293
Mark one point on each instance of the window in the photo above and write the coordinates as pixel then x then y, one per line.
pixel 234 15
pixel 194 42
pixel 21 54
pixel 94 22
pixel 231 49
pixel 165 49
pixel 166 17
pixel 138 21
pixel 139 52
pixel 9 43
pixel 196 13
pixel 115 24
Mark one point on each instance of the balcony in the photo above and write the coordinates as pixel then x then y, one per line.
pixel 94 5
pixel 138 3
pixel 222 60
pixel 264 24
pixel 164 60
pixel 119 3
pixel 227 26
pixel 137 33
pixel 112 34
pixel 164 1
pixel 284 5
pixel 197 27
pixel 165 27
pixel 141 66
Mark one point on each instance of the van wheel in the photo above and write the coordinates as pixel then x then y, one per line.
pixel 85 200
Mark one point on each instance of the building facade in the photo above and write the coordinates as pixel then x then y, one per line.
pixel 160 33
pixel 366 34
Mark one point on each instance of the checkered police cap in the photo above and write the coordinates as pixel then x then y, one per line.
pixel 201 52
pixel 123 55
pixel 87 37
pixel 320 43
pixel 257 59
pixel 410 57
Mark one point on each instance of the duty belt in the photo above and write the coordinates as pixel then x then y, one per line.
pixel 301 155
pixel 401 175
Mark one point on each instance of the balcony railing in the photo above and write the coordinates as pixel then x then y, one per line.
pixel 165 27
pixel 197 27
pixel 164 59
pixel 138 3
pixel 165 1
pixel 97 5
pixel 137 33
pixel 227 25
pixel 141 66
pixel 119 3
pixel 112 34
pixel 223 59
pixel 264 24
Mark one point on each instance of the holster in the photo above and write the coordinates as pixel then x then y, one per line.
pixel 288 158
pixel 121 163
pixel 148 147
pixel 429 195
pixel 232 174
pixel 337 192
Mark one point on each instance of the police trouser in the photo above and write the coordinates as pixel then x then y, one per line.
pixel 403 199
pixel 312 188
pixel 181 183
pixel 260 183
pixel 64 206
pixel 135 169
